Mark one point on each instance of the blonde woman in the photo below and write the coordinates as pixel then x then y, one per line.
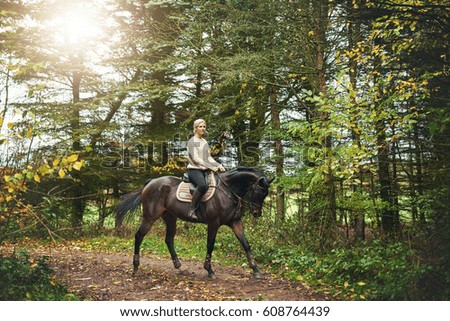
pixel 200 163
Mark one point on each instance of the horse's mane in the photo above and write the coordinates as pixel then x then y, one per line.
pixel 241 169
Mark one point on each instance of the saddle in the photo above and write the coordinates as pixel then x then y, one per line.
pixel 187 188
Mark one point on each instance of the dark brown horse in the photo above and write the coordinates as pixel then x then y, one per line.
pixel 158 199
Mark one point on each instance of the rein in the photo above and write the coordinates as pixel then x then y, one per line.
pixel 240 199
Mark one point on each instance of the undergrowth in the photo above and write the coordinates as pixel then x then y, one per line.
pixel 22 278
pixel 374 270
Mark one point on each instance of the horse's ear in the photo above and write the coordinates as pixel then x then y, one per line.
pixel 263 182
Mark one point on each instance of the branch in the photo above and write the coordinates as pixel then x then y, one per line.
pixel 114 108
pixel 50 232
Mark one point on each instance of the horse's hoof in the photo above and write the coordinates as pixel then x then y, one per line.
pixel 257 275
pixel 176 264
pixel 212 276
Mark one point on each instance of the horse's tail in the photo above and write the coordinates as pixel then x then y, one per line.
pixel 129 203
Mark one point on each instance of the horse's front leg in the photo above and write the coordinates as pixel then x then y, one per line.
pixel 238 229
pixel 212 233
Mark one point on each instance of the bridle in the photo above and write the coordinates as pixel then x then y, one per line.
pixel 240 199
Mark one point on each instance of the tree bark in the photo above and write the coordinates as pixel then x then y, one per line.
pixel 77 202
pixel 354 32
pixel 387 217
pixel 328 209
pixel 279 154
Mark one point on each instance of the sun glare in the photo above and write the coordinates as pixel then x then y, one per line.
pixel 80 27
pixel 76 27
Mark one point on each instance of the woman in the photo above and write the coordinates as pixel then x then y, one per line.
pixel 200 163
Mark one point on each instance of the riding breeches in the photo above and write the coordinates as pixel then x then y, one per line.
pixel 197 176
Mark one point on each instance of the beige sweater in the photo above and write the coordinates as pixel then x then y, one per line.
pixel 199 156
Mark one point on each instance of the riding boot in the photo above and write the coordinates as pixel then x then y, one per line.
pixel 196 197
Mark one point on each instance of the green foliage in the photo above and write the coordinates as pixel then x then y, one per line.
pixel 25 279
pixel 374 271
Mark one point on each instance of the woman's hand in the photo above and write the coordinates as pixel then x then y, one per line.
pixel 219 168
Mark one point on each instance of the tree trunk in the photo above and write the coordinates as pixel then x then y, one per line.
pixel 6 100
pixel 418 181
pixel 77 202
pixel 279 154
pixel 354 33
pixel 394 186
pixel 328 197
pixel 387 217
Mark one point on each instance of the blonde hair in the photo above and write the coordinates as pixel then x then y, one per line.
pixel 197 123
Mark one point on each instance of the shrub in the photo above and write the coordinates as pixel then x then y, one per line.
pixel 375 271
pixel 24 279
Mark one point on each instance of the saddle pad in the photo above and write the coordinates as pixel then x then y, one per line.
pixel 184 194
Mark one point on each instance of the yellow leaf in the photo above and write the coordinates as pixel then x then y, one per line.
pixel 77 165
pixel 7 178
pixel 29 133
pixel 361 283
pixel 61 173
pixel 37 178
pixel 10 125
pixel 72 158
pixel 43 169
pixel 56 162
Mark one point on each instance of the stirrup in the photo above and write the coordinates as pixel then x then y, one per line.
pixel 192 216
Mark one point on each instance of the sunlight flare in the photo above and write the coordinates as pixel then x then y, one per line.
pixel 77 25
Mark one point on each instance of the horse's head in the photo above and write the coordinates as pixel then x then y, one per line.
pixel 248 181
pixel 258 193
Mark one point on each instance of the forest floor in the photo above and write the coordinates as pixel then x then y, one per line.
pixel 107 277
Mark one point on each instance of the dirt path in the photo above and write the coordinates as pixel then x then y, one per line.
pixel 105 276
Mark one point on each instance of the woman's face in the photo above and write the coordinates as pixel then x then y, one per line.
pixel 201 129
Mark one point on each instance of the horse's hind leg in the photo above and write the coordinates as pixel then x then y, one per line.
pixel 143 230
pixel 151 211
pixel 171 230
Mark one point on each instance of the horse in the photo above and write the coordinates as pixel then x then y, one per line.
pixel 225 207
